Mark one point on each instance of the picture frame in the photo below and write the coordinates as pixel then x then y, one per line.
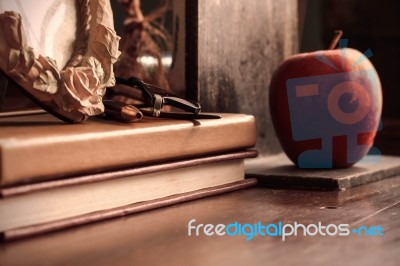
pixel 71 89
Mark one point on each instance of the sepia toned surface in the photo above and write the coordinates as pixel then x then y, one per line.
pixel 160 237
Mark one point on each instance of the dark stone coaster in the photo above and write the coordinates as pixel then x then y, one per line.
pixel 279 171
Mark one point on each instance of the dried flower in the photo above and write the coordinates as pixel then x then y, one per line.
pixel 81 89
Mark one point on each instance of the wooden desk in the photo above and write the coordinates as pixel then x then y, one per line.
pixel 160 237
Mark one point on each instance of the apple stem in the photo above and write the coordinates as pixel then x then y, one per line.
pixel 335 40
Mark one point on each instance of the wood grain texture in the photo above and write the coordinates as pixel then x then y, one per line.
pixel 160 237
pixel 240 43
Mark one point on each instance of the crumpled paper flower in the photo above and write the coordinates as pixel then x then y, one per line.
pixel 105 42
pixel 81 89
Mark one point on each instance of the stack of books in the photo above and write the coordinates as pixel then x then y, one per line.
pixel 55 175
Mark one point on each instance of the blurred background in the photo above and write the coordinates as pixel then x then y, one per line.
pixel 370 24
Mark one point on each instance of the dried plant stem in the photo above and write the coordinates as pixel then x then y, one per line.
pixel 335 40
pixel 143 37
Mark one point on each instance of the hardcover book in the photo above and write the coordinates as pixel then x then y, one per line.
pixel 36 208
pixel 39 147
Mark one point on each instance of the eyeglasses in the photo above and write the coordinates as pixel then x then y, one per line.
pixel 155 98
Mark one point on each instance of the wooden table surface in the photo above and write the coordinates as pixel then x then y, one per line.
pixel 160 237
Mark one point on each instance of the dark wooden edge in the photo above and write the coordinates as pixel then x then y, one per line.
pixel 191 60
pixel 294 182
pixel 3 88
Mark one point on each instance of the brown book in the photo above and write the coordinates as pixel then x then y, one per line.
pixel 41 207
pixel 40 147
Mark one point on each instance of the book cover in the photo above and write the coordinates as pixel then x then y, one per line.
pixel 40 147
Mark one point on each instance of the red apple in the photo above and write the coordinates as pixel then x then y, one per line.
pixel 326 107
